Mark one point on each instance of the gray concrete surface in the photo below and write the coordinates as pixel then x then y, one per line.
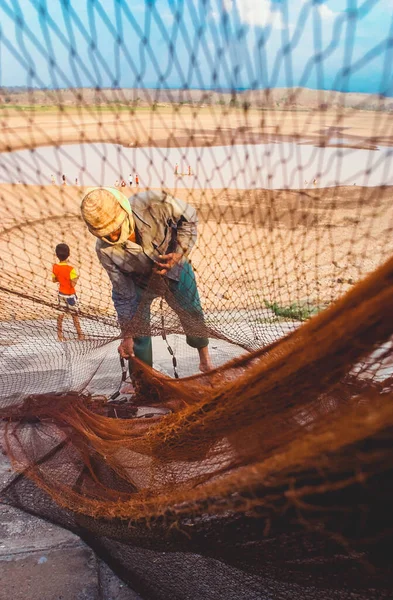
pixel 38 363
pixel 39 561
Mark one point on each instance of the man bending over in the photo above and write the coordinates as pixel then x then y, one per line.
pixel 143 244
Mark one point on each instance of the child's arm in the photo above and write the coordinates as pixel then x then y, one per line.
pixel 74 277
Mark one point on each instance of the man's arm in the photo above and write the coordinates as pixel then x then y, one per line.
pixel 123 293
pixel 185 217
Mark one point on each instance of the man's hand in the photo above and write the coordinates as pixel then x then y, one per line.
pixel 167 261
pixel 126 348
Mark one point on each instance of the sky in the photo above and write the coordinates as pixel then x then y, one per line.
pixel 344 45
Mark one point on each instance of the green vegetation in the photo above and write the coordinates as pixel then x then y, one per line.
pixel 295 311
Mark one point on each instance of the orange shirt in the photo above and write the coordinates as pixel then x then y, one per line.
pixel 64 274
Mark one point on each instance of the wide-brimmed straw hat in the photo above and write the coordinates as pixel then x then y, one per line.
pixel 104 210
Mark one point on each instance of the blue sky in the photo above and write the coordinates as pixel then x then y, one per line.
pixel 333 44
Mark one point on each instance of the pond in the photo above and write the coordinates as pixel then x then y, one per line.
pixel 272 165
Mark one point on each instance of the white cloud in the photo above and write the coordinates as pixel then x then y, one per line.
pixel 256 12
pixel 325 12
pixel 322 7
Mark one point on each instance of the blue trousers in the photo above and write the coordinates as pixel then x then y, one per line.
pixel 182 296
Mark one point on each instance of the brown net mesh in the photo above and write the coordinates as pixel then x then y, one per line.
pixel 265 473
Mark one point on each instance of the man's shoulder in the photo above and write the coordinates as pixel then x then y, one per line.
pixel 162 201
pixel 144 200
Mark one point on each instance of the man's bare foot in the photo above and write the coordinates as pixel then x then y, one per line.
pixel 205 362
pixel 205 366
pixel 61 338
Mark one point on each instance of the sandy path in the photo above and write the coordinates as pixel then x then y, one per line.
pixel 180 126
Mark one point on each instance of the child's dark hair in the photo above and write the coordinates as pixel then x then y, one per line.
pixel 62 251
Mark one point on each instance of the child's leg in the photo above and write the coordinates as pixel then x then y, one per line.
pixel 60 319
pixel 78 327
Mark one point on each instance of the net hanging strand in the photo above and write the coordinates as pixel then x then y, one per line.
pixel 164 337
pixel 117 393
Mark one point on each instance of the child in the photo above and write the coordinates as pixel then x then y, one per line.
pixel 66 276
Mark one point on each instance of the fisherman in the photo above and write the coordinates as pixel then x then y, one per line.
pixel 143 244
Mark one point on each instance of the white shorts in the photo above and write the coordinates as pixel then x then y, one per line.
pixel 69 302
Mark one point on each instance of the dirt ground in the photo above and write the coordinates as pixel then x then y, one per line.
pixel 183 126
pixel 255 247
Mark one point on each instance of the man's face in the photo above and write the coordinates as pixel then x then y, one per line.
pixel 114 236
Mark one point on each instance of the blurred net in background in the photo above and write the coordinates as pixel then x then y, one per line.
pixel 274 121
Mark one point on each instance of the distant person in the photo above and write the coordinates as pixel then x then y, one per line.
pixel 130 180
pixel 176 169
pixel 315 182
pixel 189 170
pixel 123 183
pixel 117 183
pixel 76 181
pixel 136 180
pixel 63 179
pixel 66 276
pixel 52 179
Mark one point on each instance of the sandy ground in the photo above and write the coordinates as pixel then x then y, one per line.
pixel 279 247
pixel 255 248
pixel 182 126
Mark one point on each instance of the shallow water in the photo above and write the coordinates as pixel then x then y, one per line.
pixel 272 165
